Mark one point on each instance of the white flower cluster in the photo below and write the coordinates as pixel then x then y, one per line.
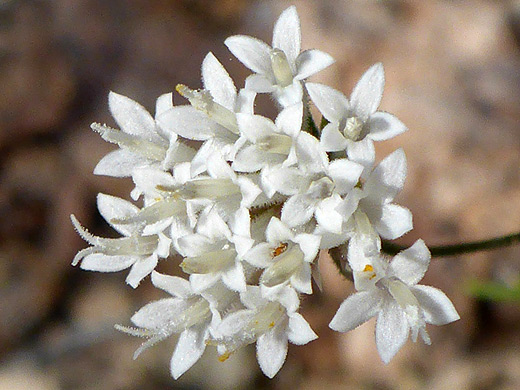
pixel 248 203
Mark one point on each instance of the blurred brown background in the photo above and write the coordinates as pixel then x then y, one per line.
pixel 453 76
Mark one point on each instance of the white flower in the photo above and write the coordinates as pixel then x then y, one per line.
pixel 263 143
pixel 389 291
pixel 270 322
pixel 141 253
pixel 142 141
pixel 211 117
pixel 215 251
pixel 286 257
pixel 356 124
pixel 279 69
pixel 375 199
pixel 190 314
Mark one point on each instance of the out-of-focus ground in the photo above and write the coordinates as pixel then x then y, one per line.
pixel 453 76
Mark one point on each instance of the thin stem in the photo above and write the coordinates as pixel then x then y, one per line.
pixel 458 249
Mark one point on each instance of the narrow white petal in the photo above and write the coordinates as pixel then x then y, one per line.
pixel 368 92
pixel 217 81
pixel 234 278
pixel 271 351
pixel 300 332
pixel 387 179
pixel 436 306
pixel 234 323
pixel 260 255
pixel 195 244
pixel 287 34
pixel 252 298
pixel 356 310
pixel 310 153
pixel 104 263
pixel 384 126
pixel 188 351
pixel 310 62
pixel 277 232
pixel 252 52
pixel 141 269
pixel 333 105
pixel 309 244
pixel 411 264
pixel 286 181
pixel 327 216
pixel 120 163
pixel 255 127
pixel 252 159
pixel 391 330
pixel 131 117
pixel 173 285
pixel 395 221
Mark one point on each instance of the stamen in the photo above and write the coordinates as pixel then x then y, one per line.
pixel 288 262
pixel 276 143
pixel 203 101
pixel 281 68
pixel 209 262
pixel 279 249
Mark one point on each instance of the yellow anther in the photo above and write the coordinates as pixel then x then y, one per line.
pixel 222 358
pixel 279 249
pixel 271 324
pixel 368 268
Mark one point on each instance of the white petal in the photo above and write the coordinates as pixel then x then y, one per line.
pixel 327 216
pixel 362 152
pixel 290 119
pixel 300 332
pixel 252 159
pixel 156 315
pixel 212 225
pixel 141 269
pixel 331 139
pixel 217 81
pixel 252 298
pixel 260 83
pixel 310 62
pixel 436 306
pixel 120 163
pixel 368 92
pixel 234 323
pixel 201 282
pixel 333 105
pixel 395 221
pixel 388 177
pixel 286 181
pixel 384 126
pixel 345 174
pixel 112 207
pixel 411 264
pixel 356 310
pixel 255 127
pixel 252 52
pixel 287 96
pixel 259 255
pixel 310 153
pixel 131 117
pixel 249 191
pixel 309 244
pixel 163 103
pixel 287 296
pixel 277 232
pixel 173 285
pixel 391 330
pixel 104 263
pixel 234 278
pixel 188 122
pixel 287 34
pixel 189 349
pixel 301 280
pixel 271 351
pixel 297 210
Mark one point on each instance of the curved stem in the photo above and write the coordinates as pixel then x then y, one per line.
pixel 458 249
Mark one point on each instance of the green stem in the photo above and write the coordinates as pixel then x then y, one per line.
pixel 458 249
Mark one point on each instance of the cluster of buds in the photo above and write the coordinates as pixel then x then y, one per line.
pixel 248 203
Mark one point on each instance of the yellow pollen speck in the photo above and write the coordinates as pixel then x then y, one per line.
pixel 368 268
pixel 271 324
pixel 222 358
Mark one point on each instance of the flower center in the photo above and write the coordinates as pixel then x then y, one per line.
pixel 353 128
pixel 288 259
pixel 276 143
